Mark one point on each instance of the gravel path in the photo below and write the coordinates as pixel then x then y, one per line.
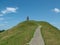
pixel 37 38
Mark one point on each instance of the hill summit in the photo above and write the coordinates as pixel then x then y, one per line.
pixel 23 32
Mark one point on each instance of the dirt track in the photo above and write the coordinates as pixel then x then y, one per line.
pixel 37 38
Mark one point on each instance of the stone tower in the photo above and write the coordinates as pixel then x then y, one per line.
pixel 27 18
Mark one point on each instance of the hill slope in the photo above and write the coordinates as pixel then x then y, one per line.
pixel 50 34
pixel 23 32
pixel 18 35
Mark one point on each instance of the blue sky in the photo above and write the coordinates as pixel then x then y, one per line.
pixel 14 11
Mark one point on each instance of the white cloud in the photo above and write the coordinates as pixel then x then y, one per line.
pixel 57 10
pixel 1 18
pixel 5 22
pixel 1 14
pixel 9 10
pixel 2 25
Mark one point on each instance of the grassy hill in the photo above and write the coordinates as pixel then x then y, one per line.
pixel 50 34
pixel 23 32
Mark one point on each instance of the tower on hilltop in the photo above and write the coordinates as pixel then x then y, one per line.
pixel 27 18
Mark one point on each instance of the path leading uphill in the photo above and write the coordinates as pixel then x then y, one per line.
pixel 37 38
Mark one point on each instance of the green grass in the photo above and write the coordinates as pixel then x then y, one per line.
pixel 50 34
pixel 23 32
pixel 18 35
